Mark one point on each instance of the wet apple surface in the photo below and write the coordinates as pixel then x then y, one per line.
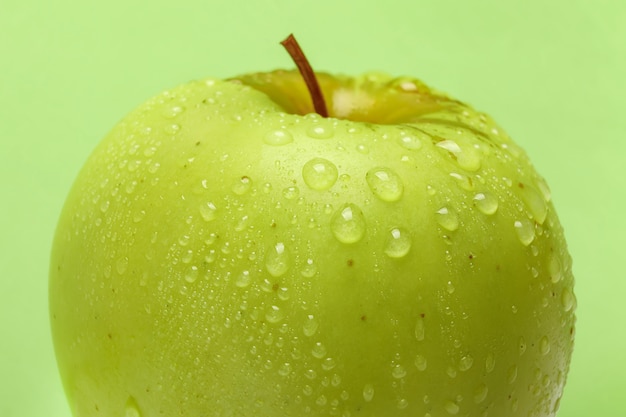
pixel 225 251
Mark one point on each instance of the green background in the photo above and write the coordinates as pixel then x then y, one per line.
pixel 550 72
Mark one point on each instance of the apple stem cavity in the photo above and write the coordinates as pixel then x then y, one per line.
pixel 296 53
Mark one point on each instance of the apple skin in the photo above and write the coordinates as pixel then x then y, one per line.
pixel 218 256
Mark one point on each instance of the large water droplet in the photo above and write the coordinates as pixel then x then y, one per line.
pixel 486 202
pixel 490 363
pixel 466 362
pixel 284 369
pixel 398 243
pixel 278 137
pixel 348 224
pixel 277 260
pixel 535 202
pixel 452 407
pixel 319 174
pixel 121 265
pixel 567 299
pixel 368 392
pixel 242 185
pixel 467 157
pixel 544 345
pixel 319 350
pixel 521 343
pixel 412 141
pixel 207 211
pixel 447 219
pixel 480 393
pixel 525 230
pixel 402 403
pixel 420 362
pixel 512 374
pixel 192 274
pixel 274 314
pixel 309 270
pixel 320 130
pixel 554 269
pixel 463 181
pixel 310 326
pixel 398 372
pixel 327 365
pixel 385 184
pixel 132 409
pixel 243 279
pixel 420 329
pixel 291 192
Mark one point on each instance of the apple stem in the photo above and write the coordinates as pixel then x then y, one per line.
pixel 296 53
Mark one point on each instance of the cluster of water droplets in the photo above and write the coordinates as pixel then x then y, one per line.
pixel 349 225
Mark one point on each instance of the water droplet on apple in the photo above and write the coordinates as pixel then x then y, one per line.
pixel 192 274
pixel 310 326
pixel 544 189
pixel 139 216
pixel 447 219
pixel 554 269
pixel 319 174
pixel 242 185
pixel 277 260
pixel 320 130
pixel 274 314
pixel 207 211
pixel 132 409
pixel 525 230
pixel 278 137
pixel 398 243
pixel 309 269
pixel 327 365
pixel 466 362
pixel 468 157
pixel 544 345
pixel 398 372
pixel 567 299
pixel 173 111
pixel 411 141
pixel 348 224
pixel 172 129
pixel 420 362
pixel 385 184
pixel 291 192
pixel 452 407
pixel 521 343
pixel 420 329
pixel 321 400
pixel 535 202
pixel 243 279
pixel 319 350
pixel 486 202
pixel 402 403
pixel 463 181
pixel 490 363
pixel 480 393
pixel 512 374
pixel 121 265
pixel 368 392
pixel 284 369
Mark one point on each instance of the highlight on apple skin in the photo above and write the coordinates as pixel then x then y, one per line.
pixel 226 251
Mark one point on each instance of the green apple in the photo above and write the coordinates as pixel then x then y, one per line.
pixel 226 251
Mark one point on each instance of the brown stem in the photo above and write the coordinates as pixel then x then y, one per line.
pixel 291 45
